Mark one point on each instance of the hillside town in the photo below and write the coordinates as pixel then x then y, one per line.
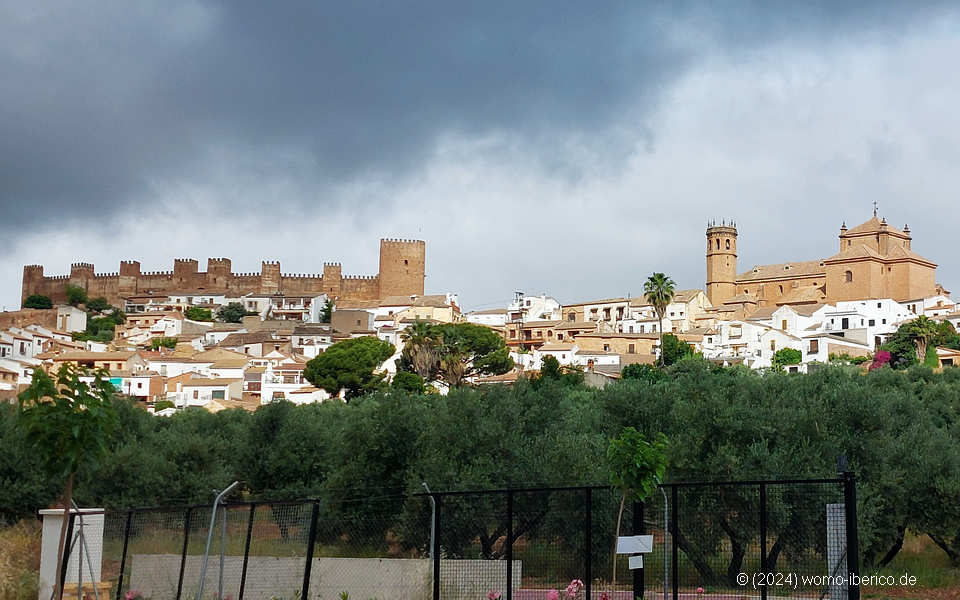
pixel 171 352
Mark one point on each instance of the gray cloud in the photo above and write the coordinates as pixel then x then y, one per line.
pixel 220 109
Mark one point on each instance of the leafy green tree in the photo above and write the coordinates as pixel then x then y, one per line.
pixel 98 305
pixel 76 295
pixel 327 313
pixel 786 356
pixel 37 301
pixel 163 405
pixel 636 469
pixel 349 366
pixel 234 312
pixel 69 423
pixel 163 342
pixel 659 290
pixel 453 352
pixel 922 330
pixel 550 369
pixel 648 373
pixel 198 313
pixel 903 352
pixel 673 349
pixel 468 350
pixel 408 382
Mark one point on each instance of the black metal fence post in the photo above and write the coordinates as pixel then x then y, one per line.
pixel 638 529
pixel 435 551
pixel 314 515
pixel 674 531
pixel 853 540
pixel 66 549
pixel 246 551
pixel 588 542
pixel 123 554
pixel 183 554
pixel 763 539
pixel 509 544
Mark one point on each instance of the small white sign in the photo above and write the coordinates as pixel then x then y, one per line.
pixel 636 562
pixel 634 544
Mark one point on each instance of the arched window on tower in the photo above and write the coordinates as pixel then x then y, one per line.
pixel 728 244
pixel 718 243
pixel 781 289
pixel 848 276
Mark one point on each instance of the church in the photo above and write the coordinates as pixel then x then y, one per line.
pixel 874 260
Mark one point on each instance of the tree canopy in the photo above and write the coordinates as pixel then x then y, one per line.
pixel 453 352
pixel 234 312
pixel 37 301
pixel 76 295
pixel 349 366
pixel 198 313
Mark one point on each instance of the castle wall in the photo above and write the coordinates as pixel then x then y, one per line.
pixel 402 263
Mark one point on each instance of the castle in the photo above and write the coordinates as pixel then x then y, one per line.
pixel 401 273
pixel 874 261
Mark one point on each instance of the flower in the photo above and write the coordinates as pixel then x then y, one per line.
pixel 574 588
pixel 493 595
pixel 699 592
pixel 133 595
pixel 604 596
pixel 553 595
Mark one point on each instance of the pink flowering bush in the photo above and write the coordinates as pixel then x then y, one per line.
pixel 133 595
pixel 493 595
pixel 699 593
pixel 882 357
pixel 553 595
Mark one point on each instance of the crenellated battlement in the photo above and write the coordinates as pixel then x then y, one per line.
pixel 401 273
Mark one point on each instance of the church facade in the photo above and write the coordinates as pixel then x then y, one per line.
pixel 874 261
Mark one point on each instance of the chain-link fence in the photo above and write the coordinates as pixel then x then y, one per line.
pixel 738 540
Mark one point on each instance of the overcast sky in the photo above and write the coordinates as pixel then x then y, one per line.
pixel 559 147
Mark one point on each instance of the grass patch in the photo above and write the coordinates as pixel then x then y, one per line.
pixel 20 561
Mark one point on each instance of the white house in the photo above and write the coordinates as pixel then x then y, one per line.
pixel 494 317
pixel 533 308
pixel 817 347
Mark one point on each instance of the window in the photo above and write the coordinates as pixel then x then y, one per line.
pixel 814 346
pixel 672 314
pixel 559 336
pixel 773 345
pixel 358 321
pixel 728 244
pixel 780 287
pixel 861 322
pixel 539 334
pixel 217 394
pixel 631 349
pixel 513 333
pixel 883 321
pixel 709 340
pixel 606 347
pixel 654 330
pixel 872 322
pixel 718 244
pixel 848 276
pixel 878 305
pixel 549 334
pixel 196 394
pixel 783 324
pixel 406 262
pixel 571 317
pixel 631 329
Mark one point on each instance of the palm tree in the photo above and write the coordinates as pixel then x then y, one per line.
pixel 422 348
pixel 922 330
pixel 659 292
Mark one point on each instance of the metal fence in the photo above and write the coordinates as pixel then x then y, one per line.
pixel 756 539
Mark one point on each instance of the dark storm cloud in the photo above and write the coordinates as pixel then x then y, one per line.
pixel 100 104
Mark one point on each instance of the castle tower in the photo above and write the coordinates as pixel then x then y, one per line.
pixel 270 276
pixel 129 277
pixel 32 281
pixel 332 276
pixel 402 267
pixel 219 273
pixel 721 262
